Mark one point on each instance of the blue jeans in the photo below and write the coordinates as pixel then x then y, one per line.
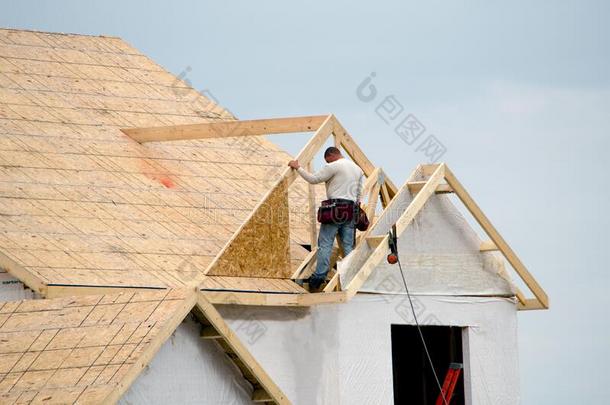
pixel 326 238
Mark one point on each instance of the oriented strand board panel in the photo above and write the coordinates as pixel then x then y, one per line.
pixel 83 204
pixel 262 248
pixel 77 350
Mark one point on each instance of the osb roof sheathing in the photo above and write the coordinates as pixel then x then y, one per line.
pixel 78 350
pixel 83 204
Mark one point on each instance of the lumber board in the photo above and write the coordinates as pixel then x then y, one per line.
pixel 371 205
pixel 531 304
pixel 311 202
pixel 275 300
pixel 15 269
pixel 379 252
pixel 420 199
pixel 372 180
pixel 225 129
pixel 369 265
pixel 416 186
pixel 385 195
pixel 216 320
pixel 304 264
pixel 334 283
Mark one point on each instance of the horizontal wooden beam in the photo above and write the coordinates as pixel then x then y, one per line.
pixel 234 343
pixel 274 300
pixel 416 186
pixel 420 199
pixel 225 129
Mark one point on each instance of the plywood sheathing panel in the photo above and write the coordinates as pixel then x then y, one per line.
pixel 81 203
pixel 77 349
pixel 262 248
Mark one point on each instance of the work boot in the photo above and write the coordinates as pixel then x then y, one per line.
pixel 315 285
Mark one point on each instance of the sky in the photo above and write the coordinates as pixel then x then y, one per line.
pixel 516 94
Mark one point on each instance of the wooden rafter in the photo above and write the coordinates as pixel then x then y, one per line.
pixel 498 240
pixel 218 329
pixel 324 127
pixel 35 283
pixel 403 221
pixel 311 207
pixel 224 332
pixel 224 129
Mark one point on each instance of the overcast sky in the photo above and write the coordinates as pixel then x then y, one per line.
pixel 518 93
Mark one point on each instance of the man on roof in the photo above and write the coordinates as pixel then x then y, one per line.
pixel 343 181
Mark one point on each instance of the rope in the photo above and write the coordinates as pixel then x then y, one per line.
pixel 421 335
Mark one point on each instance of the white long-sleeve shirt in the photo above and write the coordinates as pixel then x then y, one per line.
pixel 343 179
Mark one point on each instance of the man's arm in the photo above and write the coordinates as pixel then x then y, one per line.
pixel 322 175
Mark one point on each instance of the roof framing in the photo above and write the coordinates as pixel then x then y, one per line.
pixel 437 173
pixel 377 185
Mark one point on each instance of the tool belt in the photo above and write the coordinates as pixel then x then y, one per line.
pixel 336 211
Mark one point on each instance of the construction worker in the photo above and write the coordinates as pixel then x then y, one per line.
pixel 343 181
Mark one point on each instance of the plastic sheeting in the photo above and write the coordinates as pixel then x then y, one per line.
pixel 189 370
pixel 334 354
pixel 341 354
pixel 439 253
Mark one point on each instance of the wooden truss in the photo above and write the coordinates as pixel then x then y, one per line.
pixel 423 190
pixel 376 186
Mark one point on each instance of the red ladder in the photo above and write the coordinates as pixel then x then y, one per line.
pixel 453 374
